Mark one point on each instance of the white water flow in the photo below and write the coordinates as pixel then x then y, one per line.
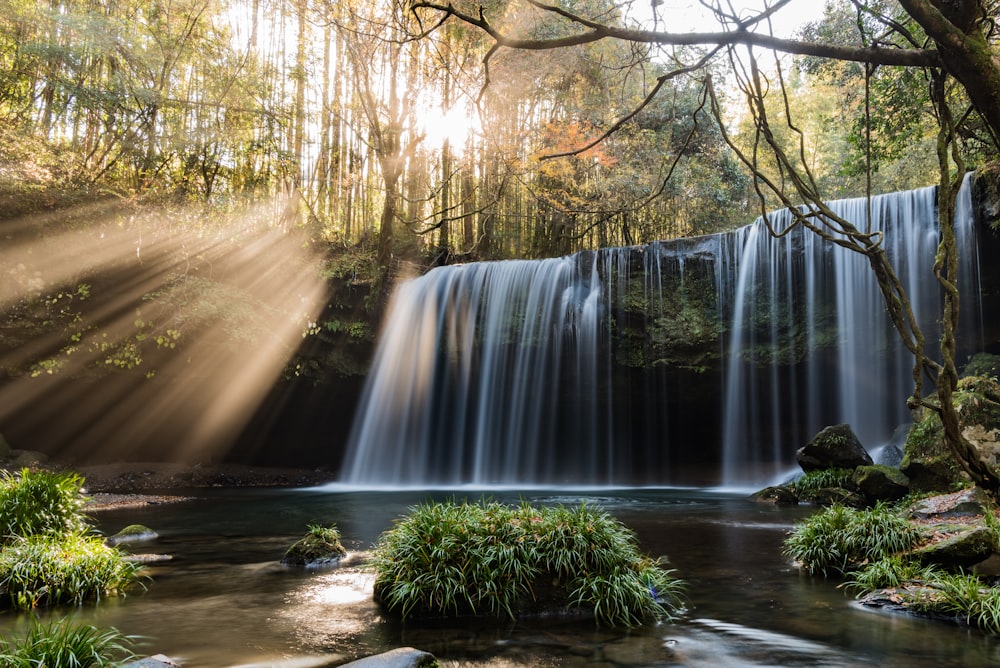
pixel 607 367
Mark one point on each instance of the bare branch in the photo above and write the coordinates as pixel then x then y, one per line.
pixel 597 31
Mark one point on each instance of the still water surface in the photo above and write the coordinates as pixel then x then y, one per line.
pixel 224 600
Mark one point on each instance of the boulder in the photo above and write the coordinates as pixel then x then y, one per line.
pixel 835 446
pixel 402 657
pixel 964 503
pixel 881 483
pixel 967 546
pixel 4 448
pixel 779 495
pixel 20 459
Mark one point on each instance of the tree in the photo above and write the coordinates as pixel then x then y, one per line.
pixel 946 39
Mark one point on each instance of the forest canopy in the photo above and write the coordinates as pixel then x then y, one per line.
pixel 361 122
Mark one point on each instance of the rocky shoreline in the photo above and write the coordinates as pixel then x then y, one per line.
pixel 137 484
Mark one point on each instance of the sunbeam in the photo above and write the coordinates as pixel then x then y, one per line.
pixel 141 336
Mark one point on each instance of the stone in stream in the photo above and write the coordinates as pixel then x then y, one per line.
pixel 834 447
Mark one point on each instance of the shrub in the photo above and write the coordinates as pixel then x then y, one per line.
pixel 839 539
pixel 62 645
pixel 489 558
pixel 46 570
pixel 40 503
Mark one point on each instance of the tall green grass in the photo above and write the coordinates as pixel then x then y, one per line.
pixel 40 503
pixel 48 555
pixel 61 644
pixel 492 559
pixel 47 570
pixel 838 539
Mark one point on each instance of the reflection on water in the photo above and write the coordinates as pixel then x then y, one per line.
pixel 225 600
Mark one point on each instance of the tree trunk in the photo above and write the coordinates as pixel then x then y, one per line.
pixel 957 29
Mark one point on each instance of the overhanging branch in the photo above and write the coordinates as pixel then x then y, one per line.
pixel 594 31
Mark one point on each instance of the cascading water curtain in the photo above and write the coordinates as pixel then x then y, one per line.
pixel 692 361
pixel 810 343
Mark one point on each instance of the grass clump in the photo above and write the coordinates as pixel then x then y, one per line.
pixel 40 503
pixel 64 645
pixel 47 554
pixel 964 596
pixel 492 559
pixel 812 482
pixel 47 570
pixel 320 545
pixel 839 539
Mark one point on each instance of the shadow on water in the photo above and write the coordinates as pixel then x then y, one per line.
pixel 224 600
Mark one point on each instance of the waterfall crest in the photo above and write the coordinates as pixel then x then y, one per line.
pixel 692 361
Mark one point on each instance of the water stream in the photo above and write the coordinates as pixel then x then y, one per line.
pixel 224 600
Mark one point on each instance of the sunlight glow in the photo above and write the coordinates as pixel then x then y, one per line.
pixel 457 127
pixel 162 328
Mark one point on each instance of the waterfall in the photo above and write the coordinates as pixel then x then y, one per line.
pixel 691 361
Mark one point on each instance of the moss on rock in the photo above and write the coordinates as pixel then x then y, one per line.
pixel 928 463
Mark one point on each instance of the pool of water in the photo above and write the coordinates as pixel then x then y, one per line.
pixel 223 599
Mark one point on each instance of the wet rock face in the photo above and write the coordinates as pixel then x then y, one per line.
pixel 834 447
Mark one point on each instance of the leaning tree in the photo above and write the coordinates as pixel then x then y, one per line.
pixel 955 42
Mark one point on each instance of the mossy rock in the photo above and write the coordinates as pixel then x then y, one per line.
pixel 835 446
pixel 780 495
pixel 926 460
pixel 982 364
pixel 881 483
pixel 133 533
pixel 967 547
pixel 321 546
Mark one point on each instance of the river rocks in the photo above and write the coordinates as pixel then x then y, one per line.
pixel 881 483
pixel 834 447
pixel 402 657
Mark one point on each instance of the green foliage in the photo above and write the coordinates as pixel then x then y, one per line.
pixel 838 539
pixel 489 558
pixel 40 503
pixel 49 570
pixel 61 644
pixel 813 481
pixel 891 571
pixel 964 596
pixel 319 544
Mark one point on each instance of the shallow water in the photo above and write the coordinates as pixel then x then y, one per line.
pixel 224 600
